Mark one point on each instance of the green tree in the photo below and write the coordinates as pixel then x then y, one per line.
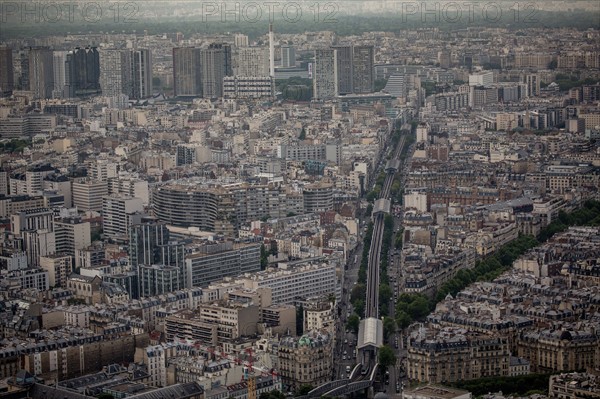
pixel 372 196
pixel 358 292
pixel 403 319
pixel 264 257
pixel 302 134
pixel 353 323
pixel 105 395
pixel 380 84
pixel 389 327
pixel 359 307
pixel 304 389
pixel 386 357
pixel 385 294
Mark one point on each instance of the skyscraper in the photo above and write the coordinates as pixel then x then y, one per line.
pixel 216 64
pixel 6 71
pixel 60 80
pixel 115 73
pixel 533 84
pixel 23 81
pixel 142 73
pixel 145 241
pixel 251 61
pixel 362 69
pixel 344 68
pixel 288 56
pixel 187 78
pixel 41 72
pixel 325 81
pixel 83 71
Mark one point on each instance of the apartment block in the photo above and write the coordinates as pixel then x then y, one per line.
pixel 59 267
pixel 214 261
pixel 88 194
pixel 305 360
pixel 71 234
pixel 116 214
pixel 453 354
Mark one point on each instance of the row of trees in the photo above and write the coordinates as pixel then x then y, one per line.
pixel 415 307
pixel 568 82
pixel 489 267
pixel 588 215
pixel 374 194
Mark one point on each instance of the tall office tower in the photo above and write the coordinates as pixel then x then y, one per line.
pixel 115 73
pixel 142 73
pixel 187 78
pixel 216 64
pixel 41 72
pixel 444 58
pixel 23 81
pixel 288 56
pixel 251 61
pixel 68 88
pixel 83 71
pixel 60 78
pixel 344 69
pixel 533 84
pixel 240 40
pixel 325 80
pixel 146 240
pixel 271 52
pixel 363 80
pixel 152 252
pixel 6 71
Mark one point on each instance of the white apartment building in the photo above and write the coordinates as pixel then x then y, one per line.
pixel 72 234
pixel 31 220
pixel 481 79
pixel 241 86
pixel 289 282
pixel 116 212
pixel 156 358
pixel 77 316
pixel 130 186
pixel 88 193
pixel 38 243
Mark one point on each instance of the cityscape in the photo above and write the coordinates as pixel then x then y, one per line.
pixel 301 199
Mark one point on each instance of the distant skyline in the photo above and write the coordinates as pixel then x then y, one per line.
pixel 39 19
